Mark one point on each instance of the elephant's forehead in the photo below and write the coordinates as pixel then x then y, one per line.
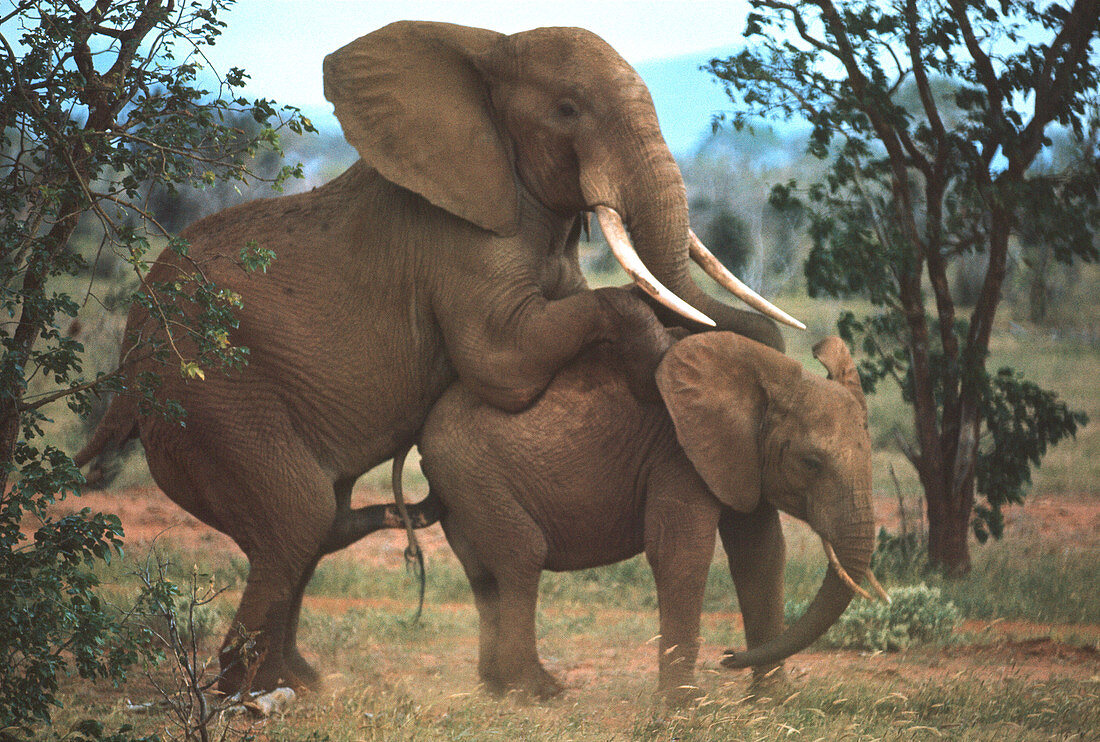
pixel 566 52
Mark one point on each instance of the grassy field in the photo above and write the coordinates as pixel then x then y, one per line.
pixel 1024 664
pixel 388 677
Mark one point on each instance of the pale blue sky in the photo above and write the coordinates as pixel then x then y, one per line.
pixel 281 42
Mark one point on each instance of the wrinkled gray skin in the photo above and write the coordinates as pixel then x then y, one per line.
pixel 449 250
pixel 588 476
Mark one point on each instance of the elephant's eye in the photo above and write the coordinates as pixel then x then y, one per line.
pixel 567 109
pixel 812 463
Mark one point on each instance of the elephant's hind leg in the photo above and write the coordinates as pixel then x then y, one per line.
pixel 283 545
pixel 511 551
pixel 487 600
pixel 502 551
pixel 517 655
pixel 295 663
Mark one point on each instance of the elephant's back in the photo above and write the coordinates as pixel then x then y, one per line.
pixel 574 460
pixel 293 225
pixel 584 408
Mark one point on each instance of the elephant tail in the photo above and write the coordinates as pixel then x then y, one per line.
pixel 414 555
pixel 118 425
pixel 352 525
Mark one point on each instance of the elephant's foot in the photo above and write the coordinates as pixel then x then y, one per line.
pixel 298 667
pixel 684 693
pixel 265 672
pixel 771 683
pixel 532 682
pixel 268 676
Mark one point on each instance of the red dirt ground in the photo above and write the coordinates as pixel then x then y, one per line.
pixel 147 514
pixel 990 649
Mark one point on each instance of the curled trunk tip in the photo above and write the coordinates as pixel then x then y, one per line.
pixel 832 598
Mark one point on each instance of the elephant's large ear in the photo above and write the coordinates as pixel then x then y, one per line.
pixel 717 404
pixel 413 102
pixel 837 360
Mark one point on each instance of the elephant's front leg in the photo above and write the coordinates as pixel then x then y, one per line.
pixel 507 348
pixel 756 552
pixel 679 538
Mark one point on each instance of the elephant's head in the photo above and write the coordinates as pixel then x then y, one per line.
pixel 756 424
pixel 474 120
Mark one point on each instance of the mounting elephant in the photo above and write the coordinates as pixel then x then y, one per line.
pixel 588 475
pixel 448 250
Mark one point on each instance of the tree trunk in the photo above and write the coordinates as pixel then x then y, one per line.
pixel 949 529
pixel 1037 295
pixel 9 435
pixel 28 328
pixel 945 464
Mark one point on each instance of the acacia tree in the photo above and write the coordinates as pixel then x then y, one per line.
pixel 912 188
pixel 98 100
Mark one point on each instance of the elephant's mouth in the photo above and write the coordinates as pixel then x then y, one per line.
pixel 851 584
pixel 623 250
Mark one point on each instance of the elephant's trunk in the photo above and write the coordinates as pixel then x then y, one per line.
pixel 749 324
pixel 653 202
pixel 854 552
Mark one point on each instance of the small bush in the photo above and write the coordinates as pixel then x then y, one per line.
pixel 900 557
pixel 919 614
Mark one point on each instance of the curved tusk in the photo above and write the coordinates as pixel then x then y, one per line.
pixel 714 268
pixel 612 225
pixel 842 574
pixel 879 590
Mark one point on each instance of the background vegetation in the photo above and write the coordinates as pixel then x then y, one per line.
pixel 101 110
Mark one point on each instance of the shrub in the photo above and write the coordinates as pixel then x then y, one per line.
pixel 919 614
pixel 900 557
pixel 101 101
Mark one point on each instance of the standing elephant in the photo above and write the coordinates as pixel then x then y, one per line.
pixel 588 476
pixel 448 250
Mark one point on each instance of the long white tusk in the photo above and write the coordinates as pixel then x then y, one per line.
pixel 714 268
pixel 841 573
pixel 878 588
pixel 615 232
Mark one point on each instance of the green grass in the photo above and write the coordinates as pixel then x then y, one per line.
pixel 953 710
pixel 1042 583
pixel 818 708
pixel 392 678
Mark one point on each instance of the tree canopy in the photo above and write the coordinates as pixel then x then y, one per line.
pixel 933 117
pixel 99 100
